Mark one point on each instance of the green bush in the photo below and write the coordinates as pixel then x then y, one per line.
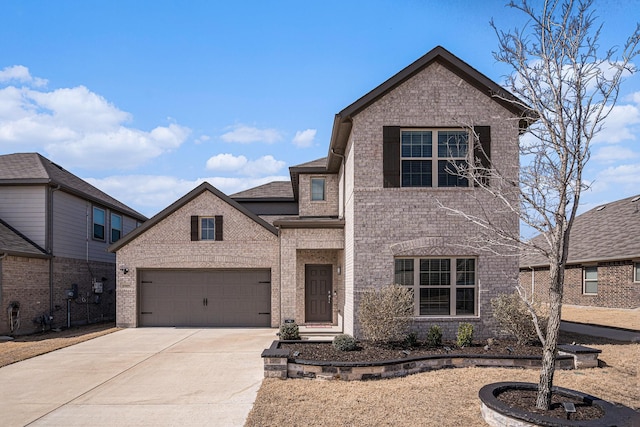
pixel 289 331
pixel 464 338
pixel 385 314
pixel 434 336
pixel 344 342
pixel 411 340
pixel 514 318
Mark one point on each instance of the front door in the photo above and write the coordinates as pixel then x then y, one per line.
pixel 318 293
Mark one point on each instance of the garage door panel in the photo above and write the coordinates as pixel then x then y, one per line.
pixel 205 298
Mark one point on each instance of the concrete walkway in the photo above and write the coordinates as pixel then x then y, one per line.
pixel 144 376
pixel 601 331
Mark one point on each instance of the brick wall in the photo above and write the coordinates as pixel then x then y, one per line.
pixel 327 207
pixel 246 244
pixel 381 221
pixel 616 288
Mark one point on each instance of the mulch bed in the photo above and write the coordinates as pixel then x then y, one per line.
pixel 368 352
pixel 526 401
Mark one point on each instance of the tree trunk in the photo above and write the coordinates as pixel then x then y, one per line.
pixel 550 348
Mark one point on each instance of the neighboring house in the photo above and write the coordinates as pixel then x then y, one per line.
pixel 603 266
pixel 54 232
pixel 365 216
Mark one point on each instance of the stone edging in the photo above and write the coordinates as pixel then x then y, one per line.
pixel 277 364
pixel 498 414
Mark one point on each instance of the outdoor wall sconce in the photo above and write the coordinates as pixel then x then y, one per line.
pixel 124 269
pixel 339 270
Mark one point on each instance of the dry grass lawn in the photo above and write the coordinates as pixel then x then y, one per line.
pixel 437 398
pixel 619 318
pixel 28 346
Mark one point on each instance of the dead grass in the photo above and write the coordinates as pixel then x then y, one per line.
pixel 437 398
pixel 619 318
pixel 28 346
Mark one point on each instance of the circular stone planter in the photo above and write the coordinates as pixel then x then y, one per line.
pixel 497 413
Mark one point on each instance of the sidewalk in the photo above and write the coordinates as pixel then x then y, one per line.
pixel 612 317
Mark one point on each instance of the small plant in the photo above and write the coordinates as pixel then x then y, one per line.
pixel 385 314
pixel 289 331
pixel 434 336
pixel 411 340
pixel 515 319
pixel 464 338
pixel 344 342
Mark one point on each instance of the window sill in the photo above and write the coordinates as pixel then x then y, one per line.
pixel 424 318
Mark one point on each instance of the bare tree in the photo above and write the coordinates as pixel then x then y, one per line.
pixel 569 87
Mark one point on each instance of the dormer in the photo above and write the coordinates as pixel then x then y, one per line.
pixel 315 189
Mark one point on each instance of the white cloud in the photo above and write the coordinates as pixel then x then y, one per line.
pixel 617 179
pixel 613 153
pixel 618 126
pixel 79 128
pixel 202 138
pixel 149 194
pixel 246 134
pixel 304 138
pixel 241 166
pixel 20 73
pixel 226 163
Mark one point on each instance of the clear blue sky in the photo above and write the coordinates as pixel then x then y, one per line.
pixel 146 99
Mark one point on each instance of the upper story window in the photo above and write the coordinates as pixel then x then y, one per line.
pixel 116 227
pixel 318 186
pixel 441 286
pixel 636 272
pixel 590 280
pixel 434 158
pixel 206 227
pixel 98 223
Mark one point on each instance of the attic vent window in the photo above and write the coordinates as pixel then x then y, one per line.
pixel 601 208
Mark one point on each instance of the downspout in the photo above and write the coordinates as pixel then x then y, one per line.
pixel 49 247
pixel 3 256
pixel 344 181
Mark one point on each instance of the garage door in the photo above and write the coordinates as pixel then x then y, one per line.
pixel 205 298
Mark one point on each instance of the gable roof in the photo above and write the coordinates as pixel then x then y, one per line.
pixel 342 120
pixel 314 166
pixel 605 233
pixel 205 186
pixel 33 169
pixel 271 191
pixel 13 242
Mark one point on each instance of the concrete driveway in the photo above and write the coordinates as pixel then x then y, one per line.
pixel 139 377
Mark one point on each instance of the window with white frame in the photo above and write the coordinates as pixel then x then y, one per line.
pixel 318 189
pixel 207 228
pixel 590 280
pixel 636 272
pixel 116 227
pixel 98 223
pixel 441 286
pixel 434 158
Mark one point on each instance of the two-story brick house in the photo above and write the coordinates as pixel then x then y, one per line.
pixel 54 232
pixel 365 216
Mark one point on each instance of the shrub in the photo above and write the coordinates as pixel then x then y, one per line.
pixel 385 314
pixel 289 331
pixel 434 336
pixel 411 340
pixel 464 338
pixel 344 342
pixel 514 318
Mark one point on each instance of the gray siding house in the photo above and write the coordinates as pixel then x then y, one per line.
pixel 365 216
pixel 67 225
pixel 603 266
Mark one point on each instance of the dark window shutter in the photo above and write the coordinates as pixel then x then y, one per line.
pixel 482 152
pixel 218 227
pixel 391 156
pixel 194 228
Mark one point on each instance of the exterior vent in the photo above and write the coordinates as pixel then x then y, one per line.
pixel 635 199
pixel 601 207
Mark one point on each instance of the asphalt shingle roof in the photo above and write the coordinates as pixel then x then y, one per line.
pixel 32 168
pixel 13 242
pixel 270 190
pixel 607 232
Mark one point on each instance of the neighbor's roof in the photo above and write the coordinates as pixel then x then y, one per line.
pixel 13 242
pixel 205 186
pixel 342 120
pixel 32 168
pixel 606 233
